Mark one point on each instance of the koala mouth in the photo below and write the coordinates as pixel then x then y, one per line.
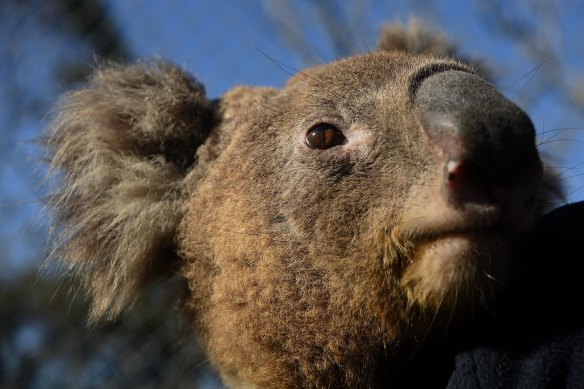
pixel 457 246
pixel 450 268
pixel 470 232
pixel 454 248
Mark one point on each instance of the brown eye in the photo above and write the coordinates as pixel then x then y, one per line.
pixel 324 136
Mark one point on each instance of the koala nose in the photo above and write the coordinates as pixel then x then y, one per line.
pixel 487 141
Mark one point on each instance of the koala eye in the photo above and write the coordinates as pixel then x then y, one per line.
pixel 324 136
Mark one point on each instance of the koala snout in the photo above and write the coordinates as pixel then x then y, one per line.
pixel 486 141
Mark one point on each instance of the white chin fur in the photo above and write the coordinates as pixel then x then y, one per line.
pixel 451 269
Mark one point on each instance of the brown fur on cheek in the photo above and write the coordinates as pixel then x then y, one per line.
pixel 287 286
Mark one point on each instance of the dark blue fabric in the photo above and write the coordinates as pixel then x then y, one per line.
pixel 536 337
pixel 533 336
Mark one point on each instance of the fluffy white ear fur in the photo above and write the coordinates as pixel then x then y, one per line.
pixel 416 38
pixel 121 147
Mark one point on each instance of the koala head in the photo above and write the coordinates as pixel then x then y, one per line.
pixel 318 227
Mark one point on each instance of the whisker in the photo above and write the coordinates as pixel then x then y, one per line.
pixel 298 74
pixel 490 276
pixel 574 191
pixel 531 74
pixel 562 140
pixel 570 177
pixel 291 71
pixel 561 129
pixel 566 170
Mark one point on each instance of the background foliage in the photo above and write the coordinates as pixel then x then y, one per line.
pixel 533 47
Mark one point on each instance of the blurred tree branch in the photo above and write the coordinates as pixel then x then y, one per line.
pixel 89 21
pixel 540 40
pixel 342 28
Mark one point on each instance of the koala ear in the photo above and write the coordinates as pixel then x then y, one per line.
pixel 419 38
pixel 121 147
pixel 416 38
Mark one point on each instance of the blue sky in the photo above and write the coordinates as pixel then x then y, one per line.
pixel 223 44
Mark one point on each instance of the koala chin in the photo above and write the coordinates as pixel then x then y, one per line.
pixel 319 228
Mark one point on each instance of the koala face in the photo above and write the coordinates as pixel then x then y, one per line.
pixel 321 228
pixel 362 199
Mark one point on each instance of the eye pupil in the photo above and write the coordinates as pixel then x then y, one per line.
pixel 324 136
pixel 329 135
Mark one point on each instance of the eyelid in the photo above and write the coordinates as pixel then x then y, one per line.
pixel 357 134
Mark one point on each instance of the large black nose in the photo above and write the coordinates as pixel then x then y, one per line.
pixel 488 141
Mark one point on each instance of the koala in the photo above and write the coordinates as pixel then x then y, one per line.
pixel 322 230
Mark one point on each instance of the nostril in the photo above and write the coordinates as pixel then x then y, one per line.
pixel 468 183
